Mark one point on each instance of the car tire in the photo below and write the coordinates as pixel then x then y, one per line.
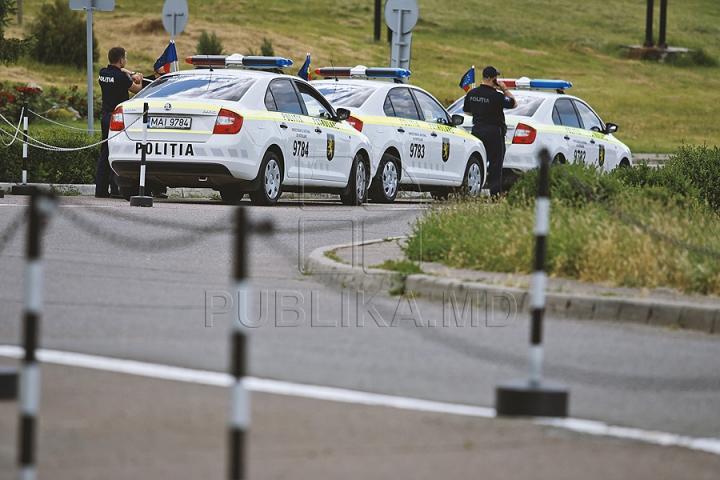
pixel 357 183
pixel 231 193
pixel 384 188
pixel 473 180
pixel 270 181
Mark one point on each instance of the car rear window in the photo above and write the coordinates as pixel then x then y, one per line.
pixel 201 85
pixel 344 95
pixel 527 105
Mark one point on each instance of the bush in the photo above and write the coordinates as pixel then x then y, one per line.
pixel 574 184
pixel 45 166
pixel 266 49
pixel 693 173
pixel 61 36
pixel 209 44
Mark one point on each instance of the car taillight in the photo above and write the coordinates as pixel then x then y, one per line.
pixel 356 123
pixel 524 134
pixel 117 120
pixel 227 122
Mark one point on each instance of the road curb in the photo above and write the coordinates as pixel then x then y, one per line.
pixel 682 315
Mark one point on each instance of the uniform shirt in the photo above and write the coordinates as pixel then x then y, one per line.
pixel 114 84
pixel 486 106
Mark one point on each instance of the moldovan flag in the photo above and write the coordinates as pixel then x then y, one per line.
pixel 468 79
pixel 167 58
pixel 304 72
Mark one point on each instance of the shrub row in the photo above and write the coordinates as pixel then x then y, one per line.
pixel 46 166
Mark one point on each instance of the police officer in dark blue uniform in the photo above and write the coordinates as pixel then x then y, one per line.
pixel 486 106
pixel 115 83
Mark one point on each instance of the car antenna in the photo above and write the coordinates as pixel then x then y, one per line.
pixel 333 67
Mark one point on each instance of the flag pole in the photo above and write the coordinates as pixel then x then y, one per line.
pixel 473 69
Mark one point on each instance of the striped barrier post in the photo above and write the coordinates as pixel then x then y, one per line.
pixel 24 188
pixel 239 396
pixel 41 204
pixel 141 200
pixel 535 397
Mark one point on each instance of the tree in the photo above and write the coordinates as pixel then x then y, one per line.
pixel 62 36
pixel 11 49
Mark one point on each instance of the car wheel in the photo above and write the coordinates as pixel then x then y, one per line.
pixel 473 180
pixel 231 193
pixel 128 192
pixel 270 181
pixel 384 188
pixel 357 183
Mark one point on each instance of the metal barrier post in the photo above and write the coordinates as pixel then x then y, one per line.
pixel 24 188
pixel 239 396
pixel 141 200
pixel 41 204
pixel 534 397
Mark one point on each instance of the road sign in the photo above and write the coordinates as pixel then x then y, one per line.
pixel 175 16
pixel 401 15
pixel 100 5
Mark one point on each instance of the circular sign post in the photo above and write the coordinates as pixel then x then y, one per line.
pixel 175 16
pixel 401 15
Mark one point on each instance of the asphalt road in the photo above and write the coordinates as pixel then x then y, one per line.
pixel 132 283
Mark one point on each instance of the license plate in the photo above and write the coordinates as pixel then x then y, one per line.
pixel 180 123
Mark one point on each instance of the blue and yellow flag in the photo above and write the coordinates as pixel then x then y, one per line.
pixel 305 72
pixel 468 79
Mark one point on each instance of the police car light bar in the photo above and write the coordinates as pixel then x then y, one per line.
pixel 362 71
pixel 525 82
pixel 237 60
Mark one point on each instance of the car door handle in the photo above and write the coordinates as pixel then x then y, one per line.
pixel 318 130
pixel 566 137
pixel 282 125
pixel 401 130
pixel 592 141
pixel 433 134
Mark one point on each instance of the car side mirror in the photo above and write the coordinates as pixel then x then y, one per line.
pixel 458 120
pixel 343 114
pixel 611 128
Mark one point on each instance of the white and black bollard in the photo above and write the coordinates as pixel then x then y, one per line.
pixel 41 205
pixel 534 397
pixel 24 188
pixel 239 396
pixel 141 200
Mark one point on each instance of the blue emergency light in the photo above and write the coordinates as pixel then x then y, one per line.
pixel 237 60
pixel 362 71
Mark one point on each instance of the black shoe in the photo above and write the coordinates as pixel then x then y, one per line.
pixel 159 195
pixel 102 195
pixel 116 195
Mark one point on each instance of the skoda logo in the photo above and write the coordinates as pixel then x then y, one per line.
pixel 167 106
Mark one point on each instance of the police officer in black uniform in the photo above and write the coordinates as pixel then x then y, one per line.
pixel 115 83
pixel 486 106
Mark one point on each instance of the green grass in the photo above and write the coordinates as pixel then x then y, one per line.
pixel 658 106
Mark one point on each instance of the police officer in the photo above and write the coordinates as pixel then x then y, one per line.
pixel 115 83
pixel 486 106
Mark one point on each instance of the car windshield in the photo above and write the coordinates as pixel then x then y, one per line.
pixel 527 105
pixel 200 85
pixel 345 95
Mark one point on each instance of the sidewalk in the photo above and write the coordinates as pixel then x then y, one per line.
pixel 585 301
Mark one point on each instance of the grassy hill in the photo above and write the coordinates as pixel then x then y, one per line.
pixel 658 106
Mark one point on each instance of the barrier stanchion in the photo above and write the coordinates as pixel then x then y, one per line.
pixel 24 189
pixel 535 397
pixel 239 396
pixel 141 200
pixel 41 204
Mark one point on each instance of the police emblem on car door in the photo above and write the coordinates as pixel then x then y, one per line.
pixel 601 155
pixel 330 146
pixel 445 149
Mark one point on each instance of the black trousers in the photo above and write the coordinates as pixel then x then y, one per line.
pixel 492 137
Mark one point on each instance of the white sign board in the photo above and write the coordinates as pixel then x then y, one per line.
pixel 100 5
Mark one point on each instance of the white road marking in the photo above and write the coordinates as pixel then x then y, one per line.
pixel 333 394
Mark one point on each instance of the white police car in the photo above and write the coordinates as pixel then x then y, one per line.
pixel 239 131
pixel 416 143
pixel 547 118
